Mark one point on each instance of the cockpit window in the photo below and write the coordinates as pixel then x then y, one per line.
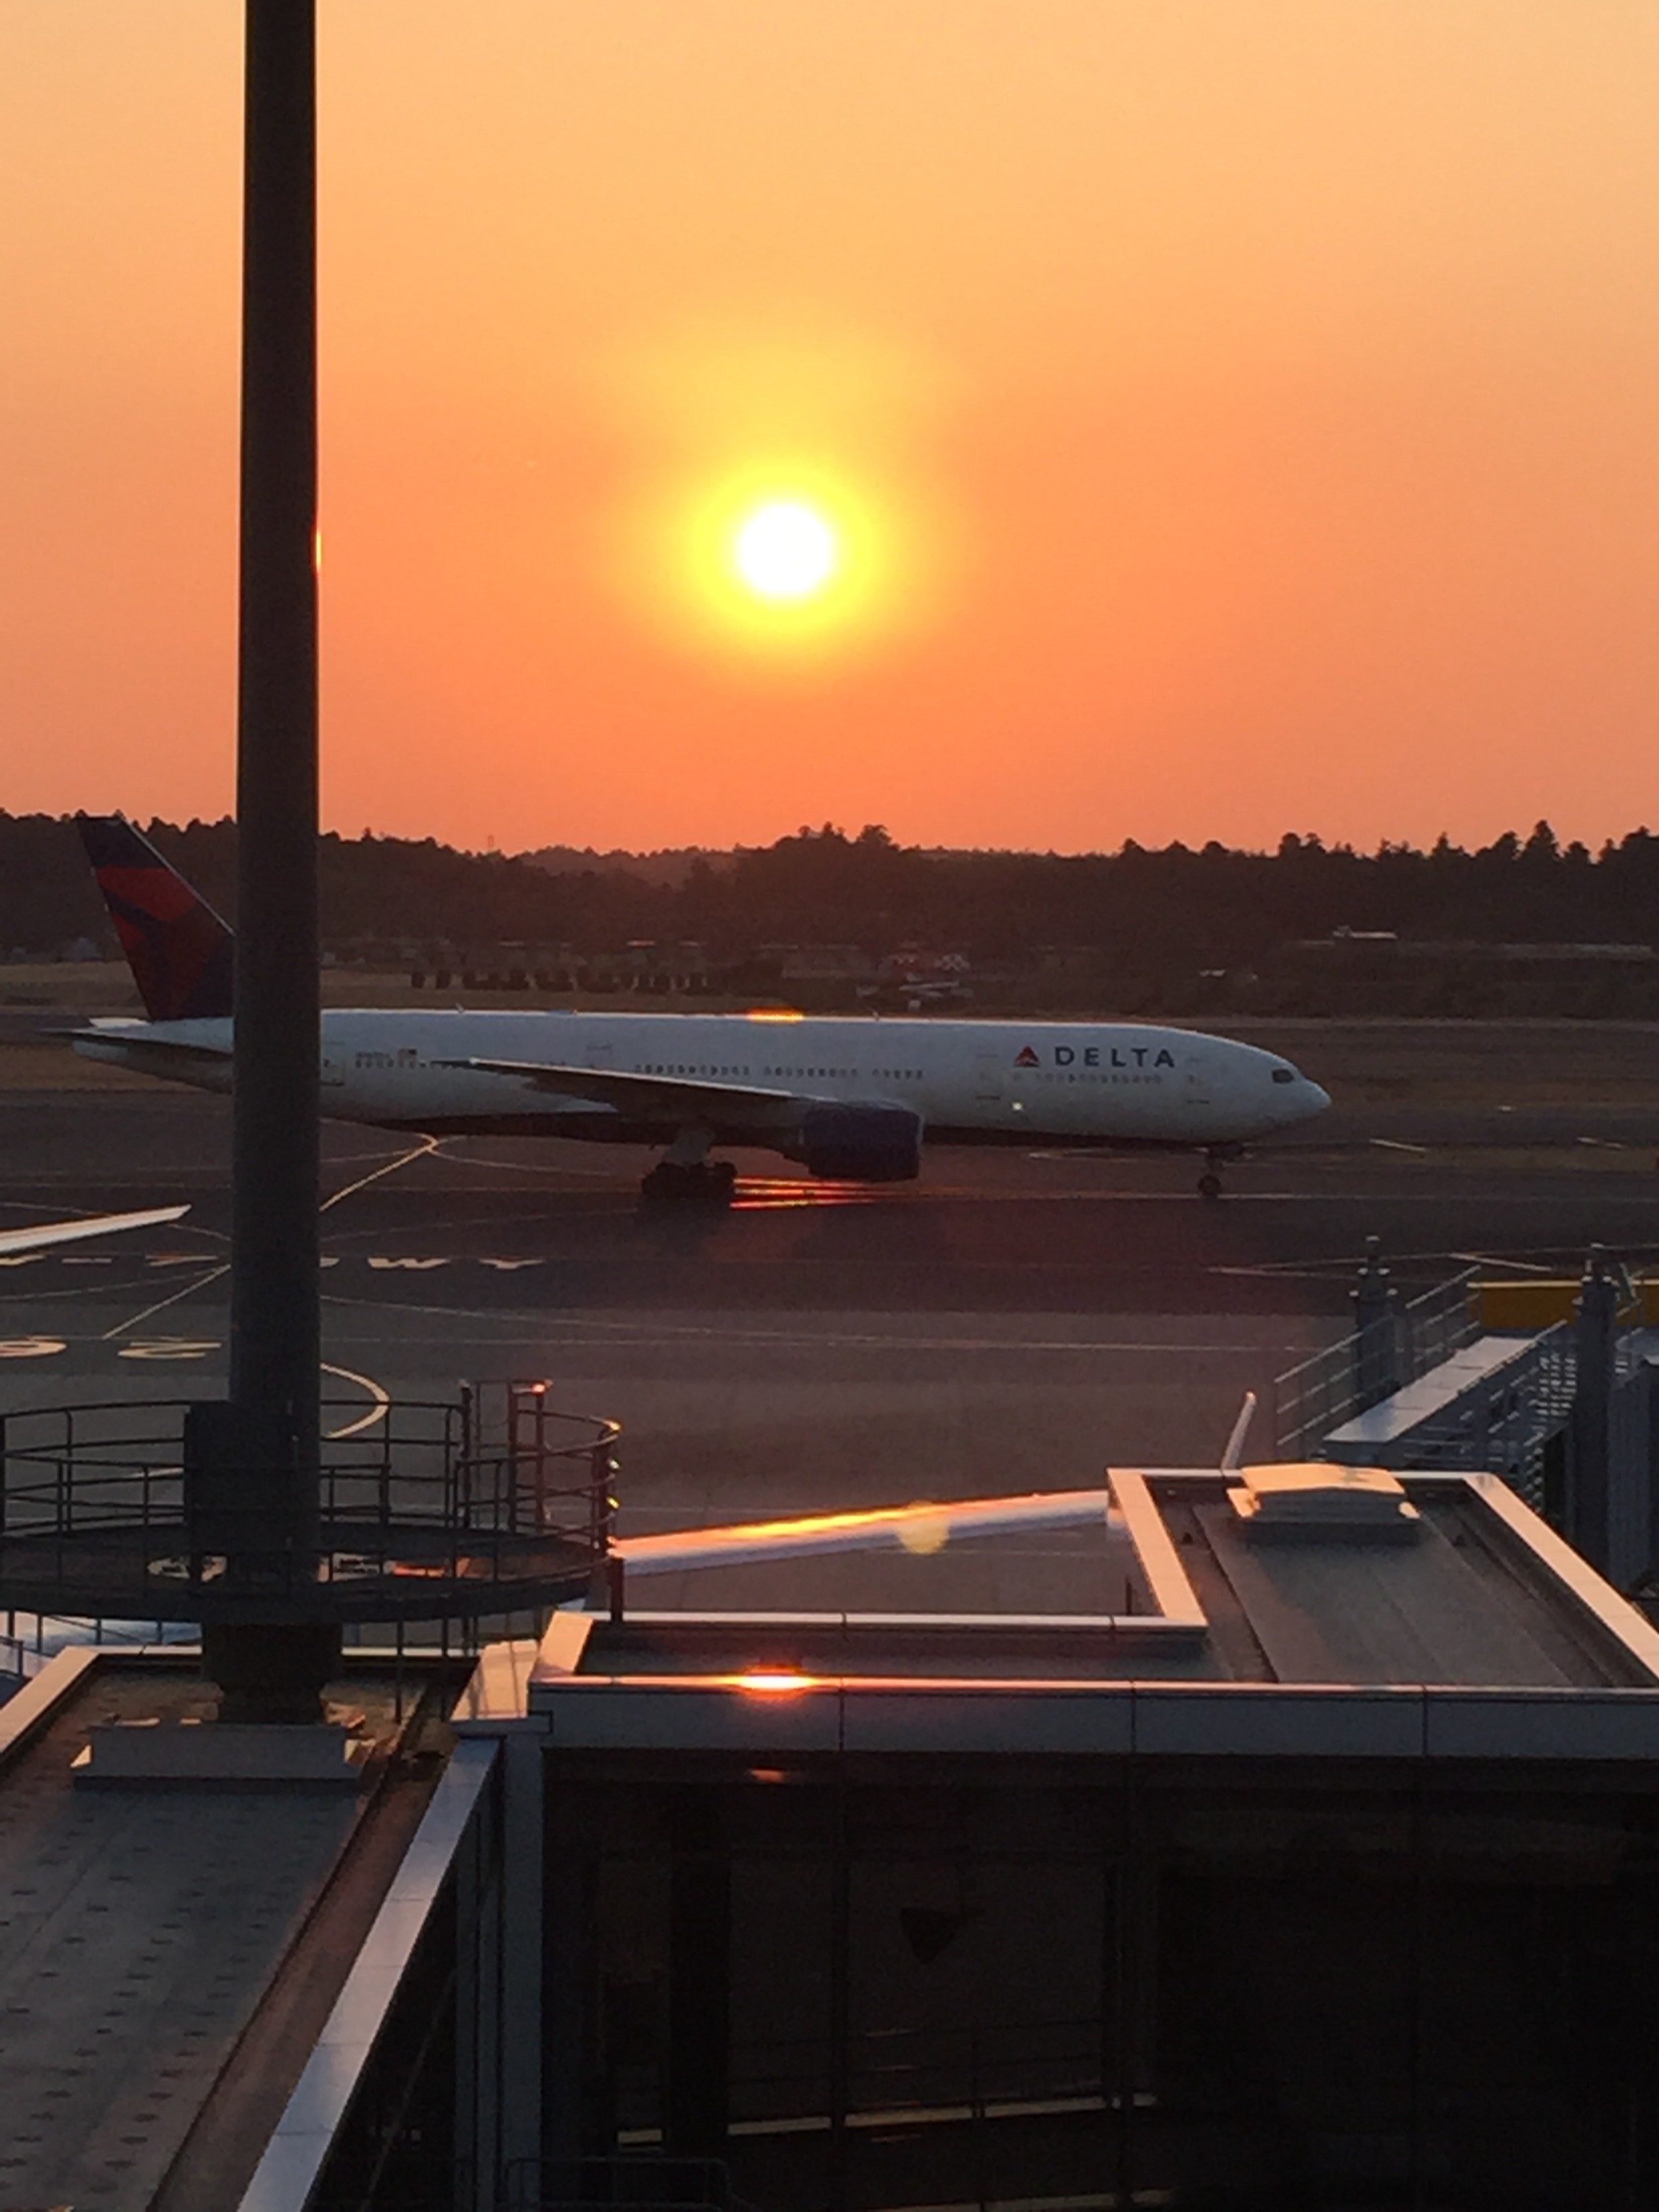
pixel 1283 1075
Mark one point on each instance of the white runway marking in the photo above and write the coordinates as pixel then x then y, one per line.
pixel 1496 1260
pixel 170 1347
pixel 32 1347
pixel 161 1304
pixel 428 1145
pixel 377 1412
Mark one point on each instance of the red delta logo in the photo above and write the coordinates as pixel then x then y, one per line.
pixel 1027 1058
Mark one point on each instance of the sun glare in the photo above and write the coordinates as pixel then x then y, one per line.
pixel 794 563
pixel 786 561
pixel 785 520
pixel 786 549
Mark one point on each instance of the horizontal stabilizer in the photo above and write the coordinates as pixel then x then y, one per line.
pixel 179 1059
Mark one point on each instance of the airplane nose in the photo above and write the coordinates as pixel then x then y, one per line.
pixel 1315 1097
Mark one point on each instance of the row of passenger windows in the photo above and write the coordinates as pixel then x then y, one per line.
pixel 407 1058
pixel 799 1074
pixel 877 1075
pixel 662 1068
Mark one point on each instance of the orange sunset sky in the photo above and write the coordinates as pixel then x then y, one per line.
pixel 1229 415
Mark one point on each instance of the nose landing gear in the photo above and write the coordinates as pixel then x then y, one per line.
pixel 1215 1157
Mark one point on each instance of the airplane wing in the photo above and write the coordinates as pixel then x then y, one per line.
pixel 656 1097
pixel 92 1224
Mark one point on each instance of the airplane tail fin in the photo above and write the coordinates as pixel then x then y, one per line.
pixel 180 952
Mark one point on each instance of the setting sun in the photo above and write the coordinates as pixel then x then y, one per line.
pixel 795 564
pixel 786 549
pixel 788 521
pixel 1119 418
pixel 787 559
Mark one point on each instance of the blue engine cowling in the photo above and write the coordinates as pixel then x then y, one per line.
pixel 859 1144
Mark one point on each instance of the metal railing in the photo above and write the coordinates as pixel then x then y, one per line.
pixel 491 1501
pixel 938 2074
pixel 20 1658
pixel 987 2070
pixel 1312 1399
pixel 641 2182
pixel 1501 1423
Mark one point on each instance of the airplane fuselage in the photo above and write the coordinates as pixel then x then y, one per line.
pixel 970 1082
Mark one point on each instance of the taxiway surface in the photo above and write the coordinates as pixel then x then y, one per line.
pixel 1014 1320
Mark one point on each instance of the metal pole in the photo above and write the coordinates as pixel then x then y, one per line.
pixel 274 1312
pixel 274 1318
pixel 1590 1432
pixel 1372 1299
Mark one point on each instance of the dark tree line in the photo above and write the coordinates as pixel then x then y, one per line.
pixel 1210 906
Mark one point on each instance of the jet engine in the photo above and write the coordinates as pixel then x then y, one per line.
pixel 859 1144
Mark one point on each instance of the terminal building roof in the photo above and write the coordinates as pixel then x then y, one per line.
pixel 169 1955
pixel 1275 1611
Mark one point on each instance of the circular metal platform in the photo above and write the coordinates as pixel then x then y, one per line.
pixel 493 1502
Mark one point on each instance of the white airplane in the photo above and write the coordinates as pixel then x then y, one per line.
pixel 851 1097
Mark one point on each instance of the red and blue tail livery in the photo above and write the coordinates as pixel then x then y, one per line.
pixel 181 954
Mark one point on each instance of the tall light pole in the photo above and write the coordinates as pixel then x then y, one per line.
pixel 240 1527
pixel 268 1438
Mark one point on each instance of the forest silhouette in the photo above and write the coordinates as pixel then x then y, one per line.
pixel 1162 913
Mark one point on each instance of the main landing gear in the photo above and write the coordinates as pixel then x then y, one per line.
pixel 703 1184
pixel 1209 1183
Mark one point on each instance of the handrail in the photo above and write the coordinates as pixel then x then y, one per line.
pixel 1328 1387
pixel 494 1499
